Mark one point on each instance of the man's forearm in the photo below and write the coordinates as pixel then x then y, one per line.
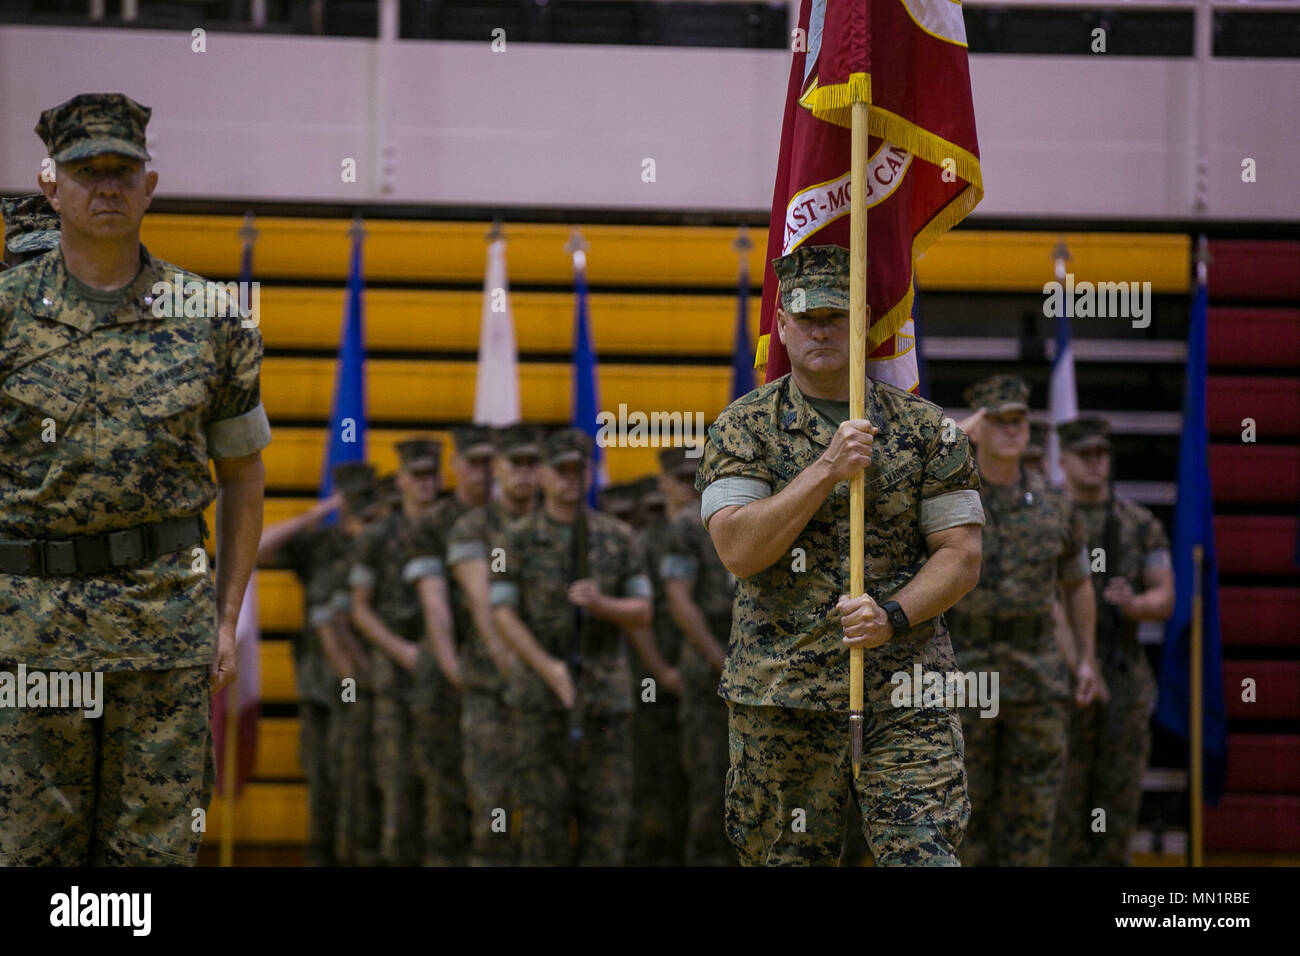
pixel 626 612
pixel 333 648
pixel 438 623
pixel 943 580
pixel 472 575
pixel 694 625
pixel 754 536
pixel 374 629
pixel 239 528
pixel 520 637
pixel 1080 605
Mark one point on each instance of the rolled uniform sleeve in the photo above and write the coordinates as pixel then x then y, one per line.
pixel 237 425
pixel 1073 565
pixel 503 585
pixel 733 470
pixel 465 542
pixel 679 562
pixel 636 577
pixel 426 553
pixel 1155 544
pixel 950 487
pixel 365 567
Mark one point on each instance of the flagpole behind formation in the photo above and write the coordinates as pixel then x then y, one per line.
pixel 857 398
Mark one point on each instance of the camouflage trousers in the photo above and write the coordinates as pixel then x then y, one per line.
pixel 1015 762
pixel 115 790
pixel 488 735
pixel 439 767
pixel 703 721
pixel 356 834
pixel 1108 749
pixel 560 784
pixel 791 773
pixel 396 773
pixel 321 772
pixel 657 830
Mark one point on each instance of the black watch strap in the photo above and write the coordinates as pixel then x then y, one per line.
pixel 897 616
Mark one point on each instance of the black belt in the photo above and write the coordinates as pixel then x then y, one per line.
pixel 1009 629
pixel 92 553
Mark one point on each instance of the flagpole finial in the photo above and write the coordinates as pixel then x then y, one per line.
pixel 497 231
pixel 248 232
pixel 1202 259
pixel 577 247
pixel 358 228
pixel 1061 256
pixel 742 243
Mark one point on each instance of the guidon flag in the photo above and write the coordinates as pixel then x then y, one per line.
pixel 907 60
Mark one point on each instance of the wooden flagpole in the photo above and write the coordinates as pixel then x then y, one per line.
pixel 857 399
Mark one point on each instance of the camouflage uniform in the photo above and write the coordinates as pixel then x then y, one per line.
pixel 384 563
pixel 786 675
pixel 139 404
pixel 658 828
pixel 689 555
pixel 31 227
pixel 1109 743
pixel 487 730
pixel 1033 539
pixel 571 764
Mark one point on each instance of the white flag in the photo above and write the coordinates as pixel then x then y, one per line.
pixel 496 390
pixel 1062 399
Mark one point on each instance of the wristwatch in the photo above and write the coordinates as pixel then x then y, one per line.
pixel 897 616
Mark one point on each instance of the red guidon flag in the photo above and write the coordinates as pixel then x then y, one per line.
pixel 907 59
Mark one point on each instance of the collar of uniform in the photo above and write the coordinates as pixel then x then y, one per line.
pixel 797 413
pixel 51 295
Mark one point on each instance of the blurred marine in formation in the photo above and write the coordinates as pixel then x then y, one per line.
pixel 1133 580
pixel 486 658
pixel 31 228
pixel 111 407
pixel 776 503
pixel 570 580
pixel 1033 541
pixel 700 592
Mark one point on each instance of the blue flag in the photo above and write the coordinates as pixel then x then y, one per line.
pixel 586 389
pixel 1193 525
pixel 742 357
pixel 922 374
pixel 347 429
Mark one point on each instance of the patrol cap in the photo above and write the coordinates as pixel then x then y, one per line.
pixel 351 477
pixel 673 461
pixel 617 500
pixel 93 123
pixel 387 488
pixel 473 441
pixel 31 224
pixel 998 394
pixel 516 441
pixel 820 272
pixel 420 453
pixel 1086 431
pixel 648 493
pixel 566 445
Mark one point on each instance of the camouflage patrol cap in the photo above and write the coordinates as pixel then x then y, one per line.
pixel 93 123
pixel 472 440
pixel 813 277
pixel 387 489
pixel 420 453
pixel 674 460
pixel 1086 431
pixel 353 476
pixel 1037 447
pixel 647 492
pixel 998 394
pixel 617 500
pixel 567 445
pixel 516 441
pixel 31 224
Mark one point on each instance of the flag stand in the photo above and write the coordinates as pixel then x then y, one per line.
pixel 230 769
pixel 1196 718
pixel 857 399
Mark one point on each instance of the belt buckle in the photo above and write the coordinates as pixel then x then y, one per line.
pixel 57 557
pixel 125 547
